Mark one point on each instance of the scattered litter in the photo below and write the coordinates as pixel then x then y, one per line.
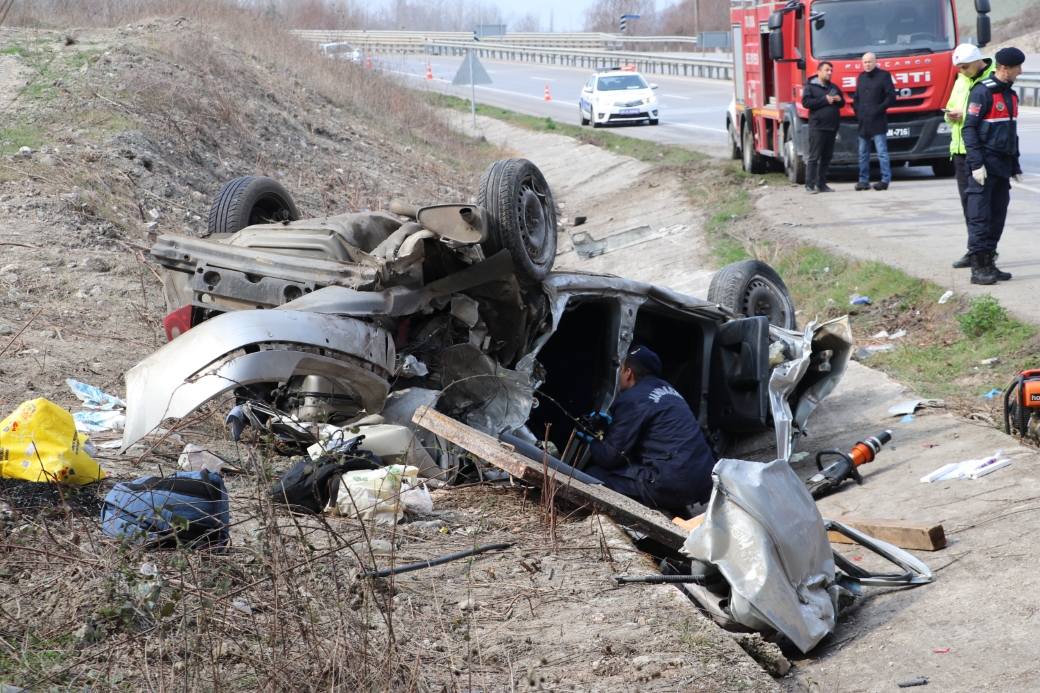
pixel 776 353
pixel 412 367
pixel 184 508
pixel 791 223
pixel 907 419
pixel 40 443
pixel 930 445
pixel 897 335
pixel 797 457
pixel 98 420
pixel 195 458
pixel 93 398
pixel 991 394
pixel 946 297
pixel 875 348
pixel 374 495
pixel 990 362
pixel 969 469
pixel 148 569
pixel 428 524
pixel 243 606
pixel 910 406
pixel 860 301
pixel 857 559
pixel 922 681
pixel 417 500
pixel 826 270
pixel 883 334
pixel 941 650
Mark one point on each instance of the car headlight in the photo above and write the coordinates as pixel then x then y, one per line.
pixel 944 128
pixel 649 99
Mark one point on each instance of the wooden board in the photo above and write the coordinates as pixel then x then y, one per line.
pixel 689 525
pixel 622 509
pixel 923 536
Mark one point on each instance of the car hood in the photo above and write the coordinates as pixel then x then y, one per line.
pixel 626 96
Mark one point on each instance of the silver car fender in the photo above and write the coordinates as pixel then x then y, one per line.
pixel 245 347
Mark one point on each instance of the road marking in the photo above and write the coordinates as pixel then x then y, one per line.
pixel 1025 187
pixel 544 79
pixel 698 127
pixel 673 96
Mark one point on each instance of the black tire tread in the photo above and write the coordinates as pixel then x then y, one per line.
pixel 227 215
pixel 728 285
pixel 499 182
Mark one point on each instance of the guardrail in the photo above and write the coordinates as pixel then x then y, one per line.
pixel 588 40
pixel 646 63
pixel 1026 85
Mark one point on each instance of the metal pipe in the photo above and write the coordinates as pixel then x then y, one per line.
pixel 386 572
pixel 620 580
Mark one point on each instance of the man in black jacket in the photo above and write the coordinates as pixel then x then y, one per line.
pixel 824 101
pixel 991 141
pixel 875 94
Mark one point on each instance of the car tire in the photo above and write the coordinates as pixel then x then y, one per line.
pixel 250 200
pixel 752 161
pixel 752 288
pixel 944 168
pixel 522 217
pixel 654 121
pixel 581 116
pixel 734 141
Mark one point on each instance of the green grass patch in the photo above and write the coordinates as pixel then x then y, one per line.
pixel 627 146
pixel 20 135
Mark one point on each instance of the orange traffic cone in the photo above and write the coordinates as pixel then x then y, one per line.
pixel 547 97
pixel 368 62
pixel 429 71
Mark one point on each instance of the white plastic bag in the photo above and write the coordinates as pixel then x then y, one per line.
pixel 417 500
pixel 195 458
pixel 374 495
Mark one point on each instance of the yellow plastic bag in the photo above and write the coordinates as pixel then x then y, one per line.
pixel 39 442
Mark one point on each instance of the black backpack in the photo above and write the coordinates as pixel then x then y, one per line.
pixel 311 484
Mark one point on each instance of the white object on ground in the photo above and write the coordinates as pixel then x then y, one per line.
pixel 910 406
pixel 969 469
pixel 417 500
pixel 387 441
pixel 374 495
pixel 195 458
pixel 99 420
pixel 883 334
pixel 93 398
pixel 897 335
pixel 946 297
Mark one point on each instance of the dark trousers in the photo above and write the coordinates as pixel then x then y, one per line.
pixel 987 210
pixel 960 166
pixel 821 151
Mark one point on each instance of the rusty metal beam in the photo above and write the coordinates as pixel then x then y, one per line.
pixel 622 509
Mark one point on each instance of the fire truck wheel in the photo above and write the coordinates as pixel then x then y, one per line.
pixel 753 161
pixel 794 165
pixel 734 142
pixel 943 168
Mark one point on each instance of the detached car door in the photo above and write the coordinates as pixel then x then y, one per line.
pixel 738 381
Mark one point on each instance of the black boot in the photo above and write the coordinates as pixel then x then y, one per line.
pixel 962 263
pixel 991 260
pixel 981 273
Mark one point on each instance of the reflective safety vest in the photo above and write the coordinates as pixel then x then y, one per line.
pixel 998 131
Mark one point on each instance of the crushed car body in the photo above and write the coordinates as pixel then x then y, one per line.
pixel 331 320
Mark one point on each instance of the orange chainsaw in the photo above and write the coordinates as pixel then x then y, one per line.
pixel 1022 415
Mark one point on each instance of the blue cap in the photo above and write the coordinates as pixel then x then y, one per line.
pixel 1010 57
pixel 645 358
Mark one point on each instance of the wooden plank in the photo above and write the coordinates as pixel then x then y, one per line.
pixel 923 536
pixel 689 525
pixel 622 509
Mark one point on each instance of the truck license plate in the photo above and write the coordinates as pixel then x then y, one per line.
pixel 629 111
pixel 898 132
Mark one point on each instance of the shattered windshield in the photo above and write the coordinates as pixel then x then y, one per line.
pixel 883 27
pixel 621 83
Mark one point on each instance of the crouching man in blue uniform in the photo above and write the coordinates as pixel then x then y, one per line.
pixel 654 451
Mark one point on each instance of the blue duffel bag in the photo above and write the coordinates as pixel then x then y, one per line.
pixel 189 508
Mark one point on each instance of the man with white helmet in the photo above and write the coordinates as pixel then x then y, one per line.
pixel 971 68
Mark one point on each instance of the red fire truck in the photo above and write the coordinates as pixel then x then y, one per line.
pixel 778 45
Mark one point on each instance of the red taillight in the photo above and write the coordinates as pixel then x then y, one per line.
pixel 178 322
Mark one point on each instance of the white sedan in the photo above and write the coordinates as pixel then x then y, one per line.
pixel 617 95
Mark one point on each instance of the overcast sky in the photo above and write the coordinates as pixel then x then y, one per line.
pixel 567 14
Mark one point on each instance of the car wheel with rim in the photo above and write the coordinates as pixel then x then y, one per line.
pixel 752 288
pixel 522 217
pixel 734 142
pixel 794 165
pixel 581 115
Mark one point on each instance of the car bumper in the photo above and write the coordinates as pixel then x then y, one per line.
pixel 923 142
pixel 618 114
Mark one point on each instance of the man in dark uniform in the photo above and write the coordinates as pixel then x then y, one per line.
pixel 654 451
pixel 991 143
pixel 824 102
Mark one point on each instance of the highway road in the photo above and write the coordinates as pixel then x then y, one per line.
pixel 693 111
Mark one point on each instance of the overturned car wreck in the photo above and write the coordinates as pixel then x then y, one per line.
pixel 360 319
